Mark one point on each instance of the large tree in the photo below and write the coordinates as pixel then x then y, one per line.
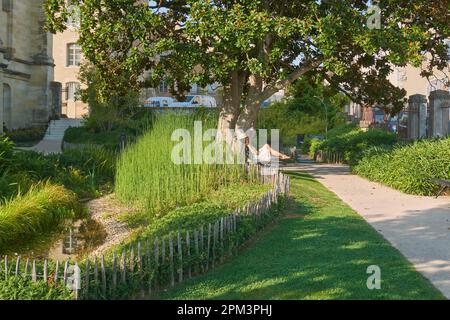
pixel 255 48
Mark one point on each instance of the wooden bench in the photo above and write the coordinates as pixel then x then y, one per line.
pixel 443 183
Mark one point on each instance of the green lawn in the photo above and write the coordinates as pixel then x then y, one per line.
pixel 322 255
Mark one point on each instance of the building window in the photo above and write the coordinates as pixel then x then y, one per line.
pixel 73 55
pixel 7 5
pixel 72 89
pixel 163 87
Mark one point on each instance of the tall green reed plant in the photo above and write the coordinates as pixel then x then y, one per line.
pixel 147 175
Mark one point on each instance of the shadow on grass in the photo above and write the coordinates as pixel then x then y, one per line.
pixel 324 255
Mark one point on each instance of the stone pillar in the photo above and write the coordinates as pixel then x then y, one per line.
pixel 417 117
pixel 439 114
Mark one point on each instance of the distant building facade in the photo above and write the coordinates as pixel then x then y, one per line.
pixel 409 79
pixel 68 57
pixel 28 94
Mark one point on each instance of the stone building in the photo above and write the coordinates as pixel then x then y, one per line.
pixel 28 95
pixel 68 57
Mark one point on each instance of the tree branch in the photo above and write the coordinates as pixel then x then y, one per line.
pixel 273 88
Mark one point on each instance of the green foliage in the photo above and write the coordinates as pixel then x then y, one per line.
pixel 146 173
pixel 18 288
pixel 310 108
pixel 93 134
pixel 314 146
pixel 219 204
pixel 257 40
pixel 352 141
pixel 327 248
pixel 27 134
pixel 190 218
pixel 42 209
pixel 289 122
pixel 87 172
pixel 6 152
pixel 408 168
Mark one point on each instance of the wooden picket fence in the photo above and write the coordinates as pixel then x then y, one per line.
pixel 152 264
pixel 329 157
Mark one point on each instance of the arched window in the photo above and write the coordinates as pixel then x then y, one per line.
pixel 72 89
pixel 73 55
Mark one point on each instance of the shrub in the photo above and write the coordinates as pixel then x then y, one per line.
pixel 82 171
pixel 27 134
pixel 408 168
pixel 314 147
pixel 146 173
pixel 352 141
pixel 42 209
pixel 89 160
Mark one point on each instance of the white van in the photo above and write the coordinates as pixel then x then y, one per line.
pixel 196 101
pixel 159 102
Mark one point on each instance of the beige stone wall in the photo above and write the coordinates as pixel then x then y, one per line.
pixel 409 78
pixel 26 65
pixel 66 74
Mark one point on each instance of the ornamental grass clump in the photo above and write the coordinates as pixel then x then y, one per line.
pixel 44 208
pixel 146 174
pixel 408 168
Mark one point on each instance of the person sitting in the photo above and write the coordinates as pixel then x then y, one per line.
pixel 263 155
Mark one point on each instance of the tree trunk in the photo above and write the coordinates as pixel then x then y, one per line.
pixel 231 108
pixel 247 118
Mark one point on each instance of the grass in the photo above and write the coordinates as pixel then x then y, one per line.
pixel 42 209
pixel 146 174
pixel 18 288
pixel 320 250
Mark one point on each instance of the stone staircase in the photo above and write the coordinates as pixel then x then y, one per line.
pixel 57 128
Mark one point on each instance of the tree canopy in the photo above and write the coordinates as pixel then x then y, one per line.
pixel 255 48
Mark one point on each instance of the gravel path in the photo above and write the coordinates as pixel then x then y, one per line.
pixel 106 211
pixel 417 226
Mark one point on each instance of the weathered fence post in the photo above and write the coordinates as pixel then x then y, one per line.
pixel 87 275
pixel 46 271
pixel 171 254
pixel 65 274
pixel 114 274
pixel 148 266
pixel 76 283
pixel 102 266
pixel 6 268
pixel 156 244
pixel 27 265
pixel 180 258
pixel 188 251
pixel 17 266
pixel 123 266
pixel 132 260
pixel 197 252
pixel 202 248
pixel 208 246
pixel 34 272
pixel 221 239
pixel 56 277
